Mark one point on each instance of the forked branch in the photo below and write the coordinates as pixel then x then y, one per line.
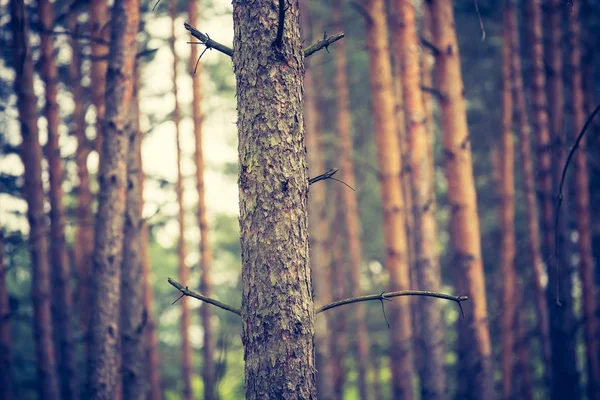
pixel 187 292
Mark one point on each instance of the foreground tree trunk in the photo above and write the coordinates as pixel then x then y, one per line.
pixel 108 248
pixel 61 292
pixel 582 211
pixel 6 358
pixel 350 206
pixel 31 155
pixel 433 376
pixel 208 371
pixel 390 162
pixel 277 307
pixel 465 233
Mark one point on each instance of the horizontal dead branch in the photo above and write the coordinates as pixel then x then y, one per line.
pixel 323 43
pixel 187 292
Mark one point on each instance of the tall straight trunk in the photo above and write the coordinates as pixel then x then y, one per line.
pixel 208 371
pixel 535 261
pixel 582 210
pixel 100 31
pixel 350 205
pixel 464 222
pixel 59 272
pixel 31 155
pixel 278 317
pixel 112 178
pixel 523 381
pixel 390 162
pixel 433 377
pixel 7 387
pixel 83 245
pixel 507 210
pixel 186 348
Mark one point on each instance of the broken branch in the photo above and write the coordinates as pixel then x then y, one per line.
pixel 187 292
pixel 322 43
pixel 208 42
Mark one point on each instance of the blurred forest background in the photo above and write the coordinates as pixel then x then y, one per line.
pixel 171 120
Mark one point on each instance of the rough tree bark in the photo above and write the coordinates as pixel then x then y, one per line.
pixel 390 162
pixel 350 205
pixel 464 224
pixel 31 155
pixel 7 387
pixel 433 376
pixel 277 307
pixel 208 371
pixel 507 210
pixel 112 179
pixel 100 31
pixel 62 303
pixel 582 210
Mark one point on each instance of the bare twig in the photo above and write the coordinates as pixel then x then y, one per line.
pixel 432 47
pixel 322 177
pixel 480 20
pixel 279 38
pixel 322 43
pixel 432 91
pixel 207 41
pixel 187 292
pixel 389 295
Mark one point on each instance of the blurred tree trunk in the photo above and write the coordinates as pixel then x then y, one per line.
pixel 536 262
pixel 186 348
pixel 422 191
pixel 62 304
pixel 83 245
pixel 464 224
pixel 277 306
pixel 507 210
pixel 350 206
pixel 582 210
pixel 134 316
pixel 6 358
pixel 31 155
pixel 523 381
pixel 112 178
pixel 100 31
pixel 390 162
pixel 208 373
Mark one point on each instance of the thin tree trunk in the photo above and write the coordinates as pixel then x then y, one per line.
pixel 61 292
pixel 186 348
pixel 7 387
pixel 277 307
pixel 100 30
pixel 208 372
pixel 350 205
pixel 112 178
pixel 464 223
pixel 524 385
pixel 433 384
pixel 31 155
pixel 533 230
pixel 390 162
pixel 507 211
pixel 582 210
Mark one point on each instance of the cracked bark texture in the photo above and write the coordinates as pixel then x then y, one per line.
pixel 31 156
pixel 393 213
pixel 112 178
pixel 278 320
pixel 464 224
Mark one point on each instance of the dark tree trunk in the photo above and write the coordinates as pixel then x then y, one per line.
pixel 7 387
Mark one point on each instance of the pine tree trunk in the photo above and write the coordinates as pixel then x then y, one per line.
pixel 112 178
pixel 350 205
pixel 465 233
pixel 507 211
pixel 582 210
pixel 31 155
pixel 533 230
pixel 7 387
pixel 208 372
pixel 277 307
pixel 433 377
pixel 59 272
pixel 100 30
pixel 390 162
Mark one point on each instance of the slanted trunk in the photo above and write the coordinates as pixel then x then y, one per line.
pixel 31 155
pixel 7 387
pixel 390 162
pixel 350 206
pixel 422 192
pixel 278 318
pixel 61 292
pixel 464 222
pixel 582 211
pixel 100 31
pixel 112 178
